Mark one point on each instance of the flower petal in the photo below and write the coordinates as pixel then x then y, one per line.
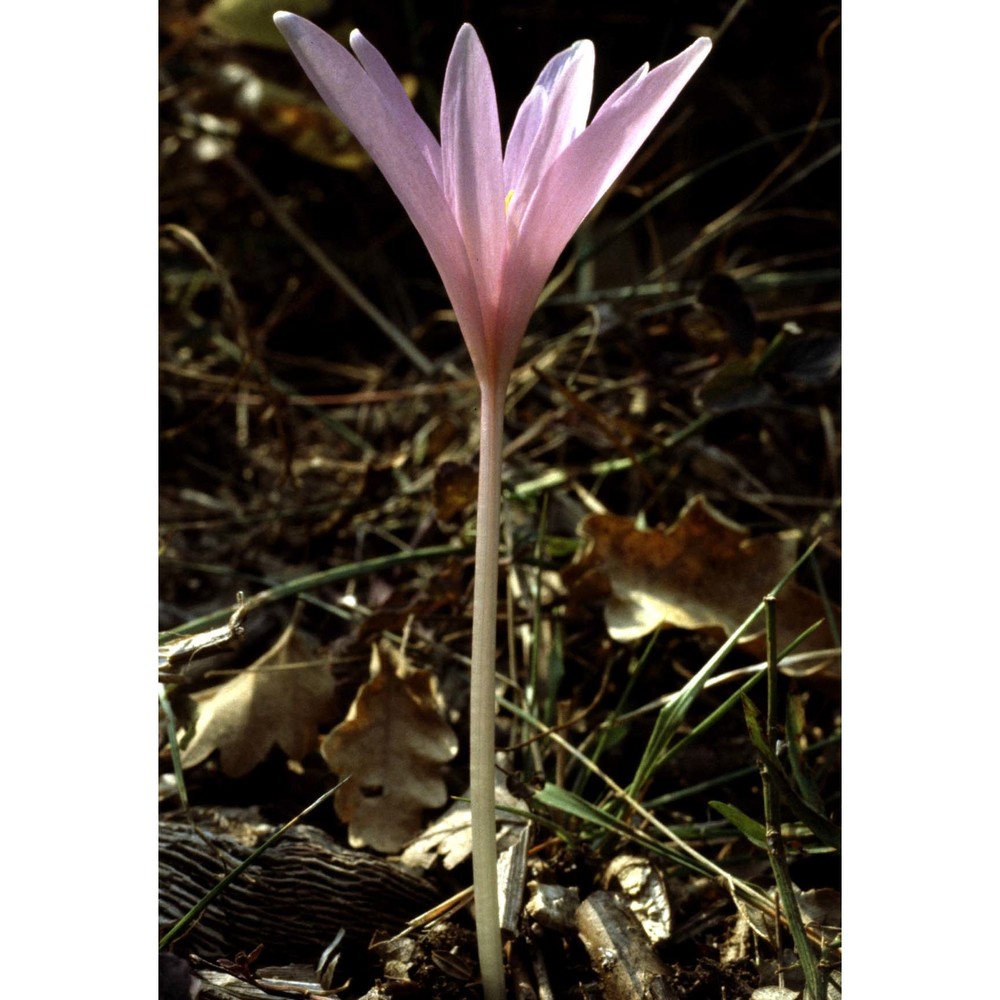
pixel 622 89
pixel 554 113
pixel 398 146
pixel 585 170
pixel 396 97
pixel 472 162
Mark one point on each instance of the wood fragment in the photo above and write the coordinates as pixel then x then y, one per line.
pixel 553 906
pixel 294 899
pixel 520 974
pixel 185 648
pixel 286 981
pixel 512 867
pixel 619 951
pixel 541 975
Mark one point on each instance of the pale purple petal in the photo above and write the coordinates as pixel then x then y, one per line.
pixel 472 161
pixel 522 135
pixel 396 97
pixel 554 114
pixel 586 169
pixel 397 147
pixel 622 89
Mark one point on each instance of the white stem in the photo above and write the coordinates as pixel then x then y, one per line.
pixel 482 708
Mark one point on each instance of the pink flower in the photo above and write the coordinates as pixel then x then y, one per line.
pixel 494 221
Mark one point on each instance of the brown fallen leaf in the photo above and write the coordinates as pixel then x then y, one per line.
pixel 703 572
pixel 282 699
pixel 392 745
pixel 455 488
pixel 448 839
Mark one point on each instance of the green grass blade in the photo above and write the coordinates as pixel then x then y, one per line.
pixel 815 980
pixel 815 820
pixel 175 752
pixel 750 828
pixel 311 580
pixel 795 721
pixel 673 714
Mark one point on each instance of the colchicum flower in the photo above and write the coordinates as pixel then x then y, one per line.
pixel 494 221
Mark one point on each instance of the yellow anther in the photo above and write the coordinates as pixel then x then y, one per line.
pixel 506 201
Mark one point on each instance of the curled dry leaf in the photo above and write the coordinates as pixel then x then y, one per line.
pixel 643 889
pixel 448 839
pixel 819 908
pixel 703 572
pixel 282 699
pixel 391 745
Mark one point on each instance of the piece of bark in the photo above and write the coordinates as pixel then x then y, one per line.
pixel 619 950
pixel 293 899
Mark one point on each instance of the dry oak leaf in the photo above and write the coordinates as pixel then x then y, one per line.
pixel 392 745
pixel 282 699
pixel 449 838
pixel 703 572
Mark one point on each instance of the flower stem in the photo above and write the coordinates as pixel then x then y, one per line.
pixel 482 710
